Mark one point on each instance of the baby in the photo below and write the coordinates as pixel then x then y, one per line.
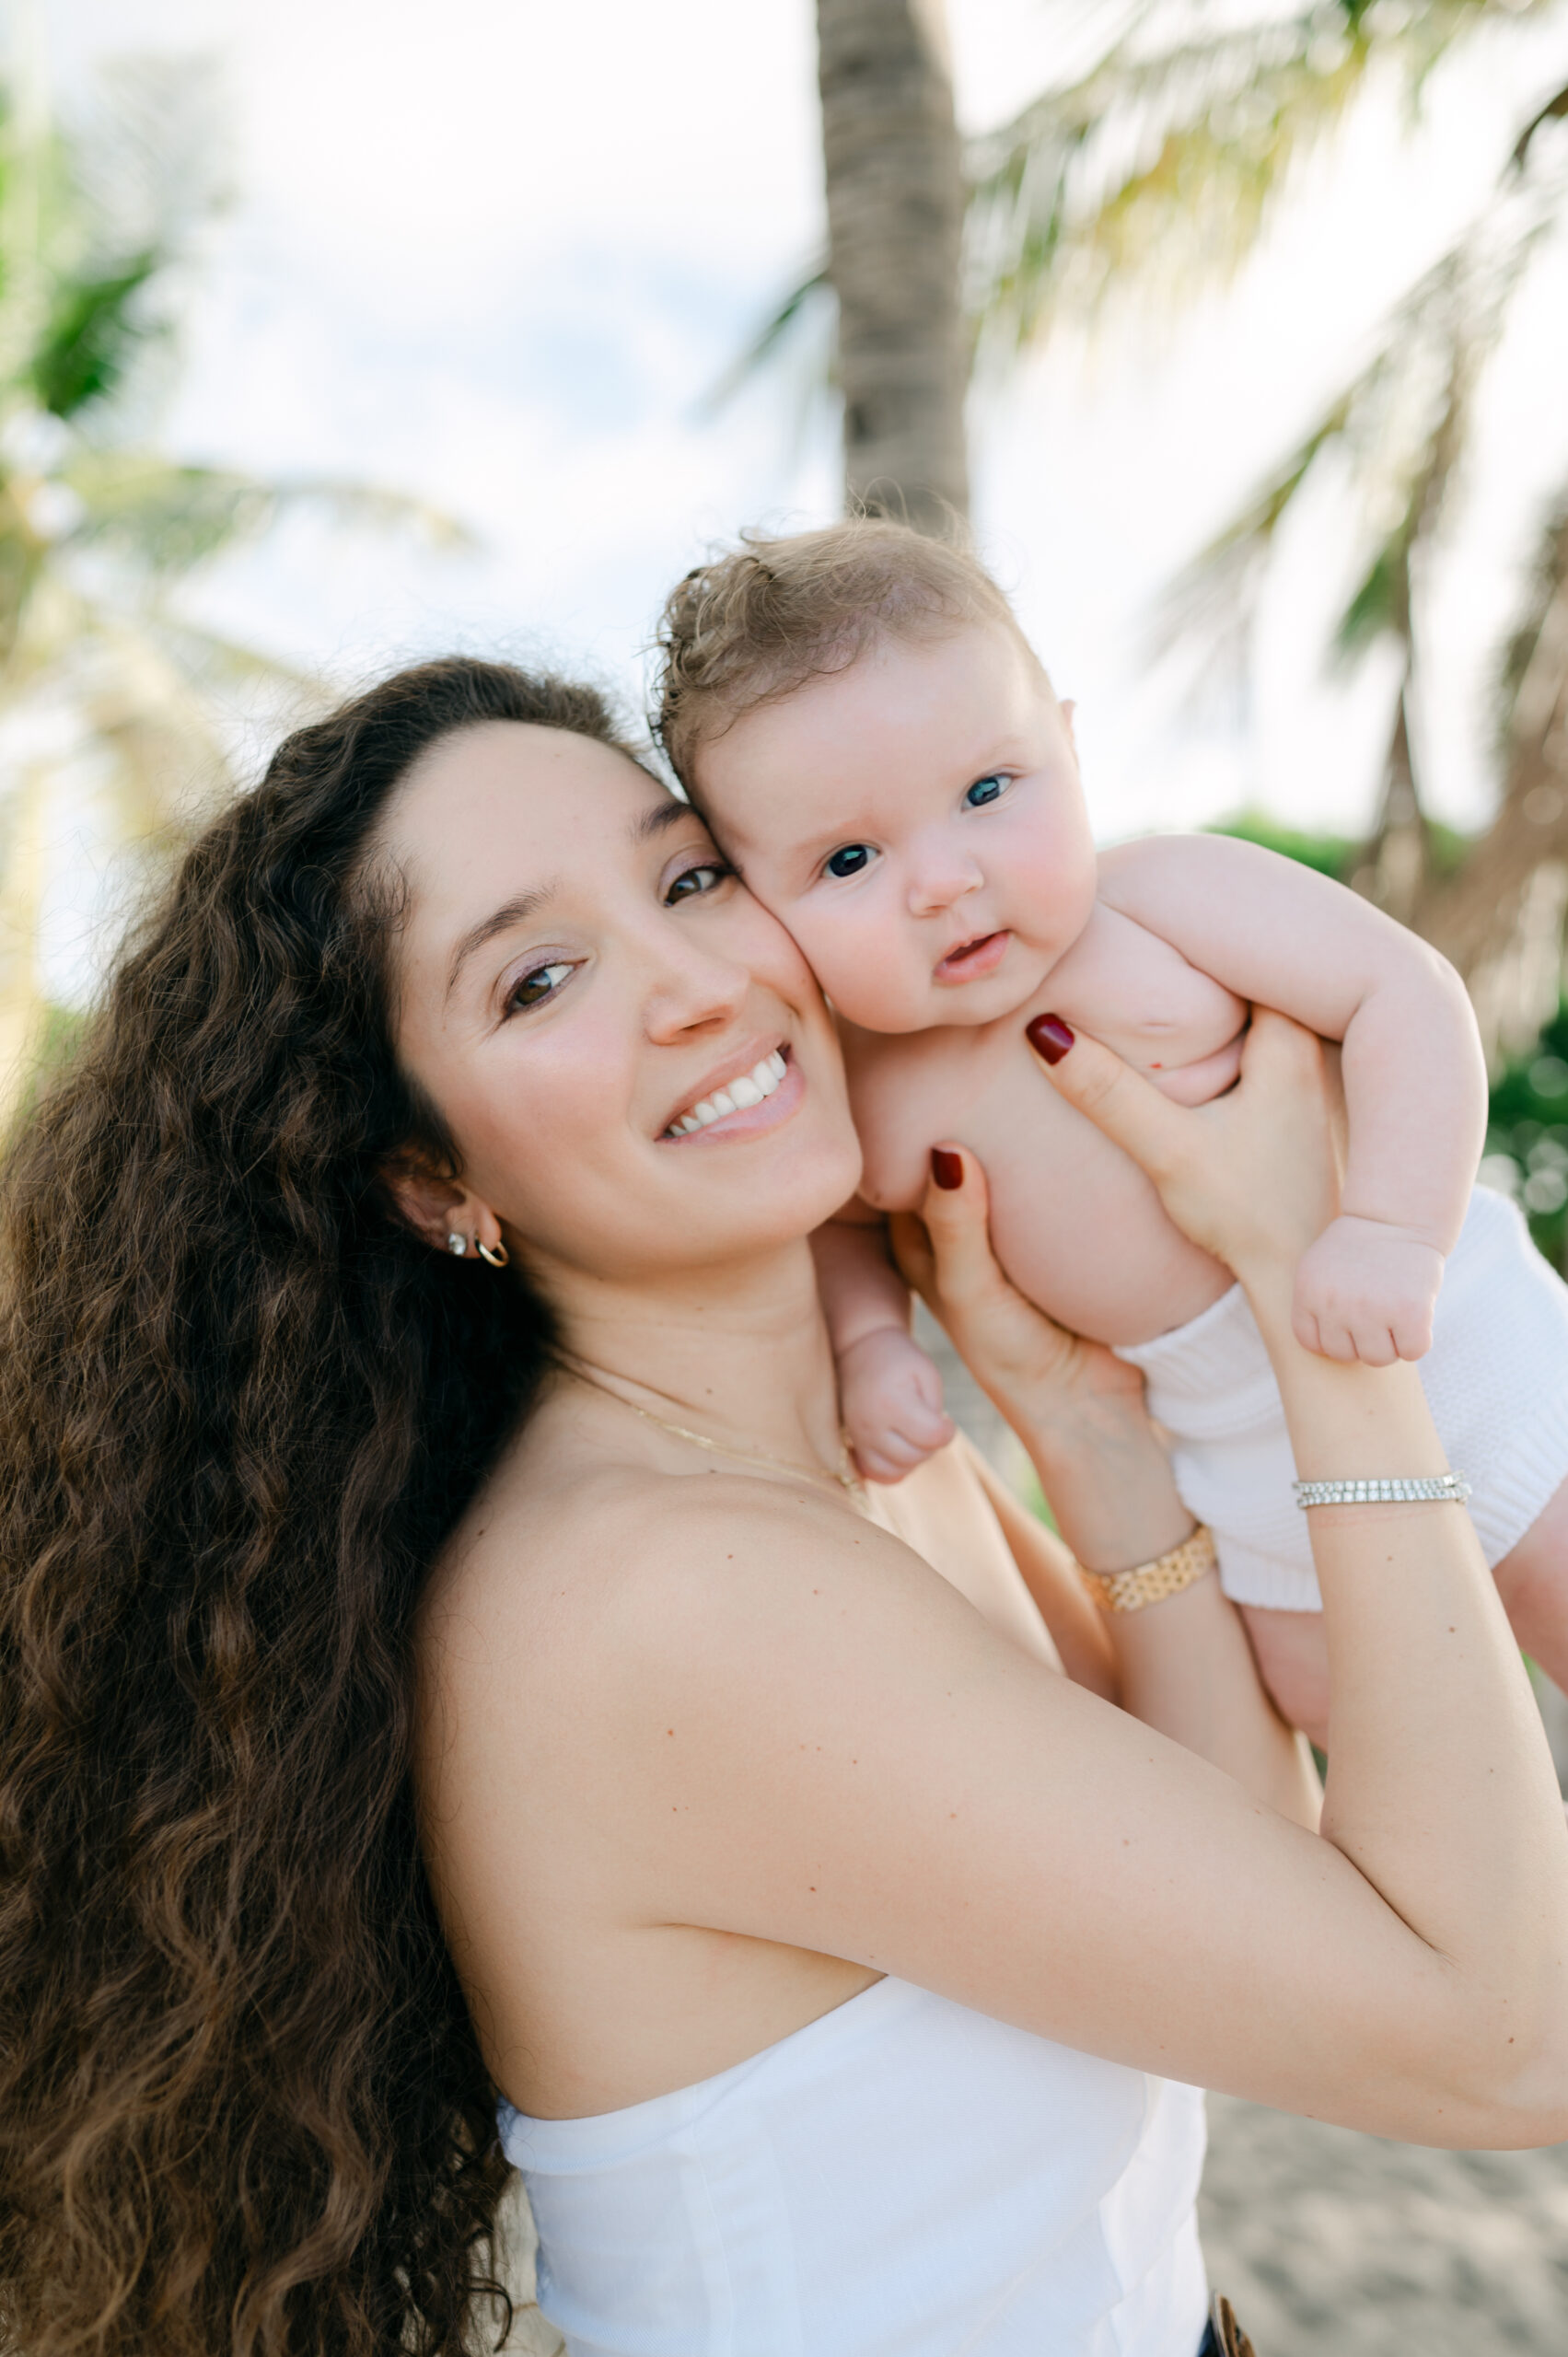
pixel 880 753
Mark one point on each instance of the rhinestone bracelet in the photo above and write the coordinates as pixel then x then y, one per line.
pixel 1437 1488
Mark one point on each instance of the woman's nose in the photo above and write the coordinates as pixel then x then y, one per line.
pixel 691 989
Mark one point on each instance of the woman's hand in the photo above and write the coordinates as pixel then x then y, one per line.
pixel 1036 1373
pixel 1252 1176
pixel 1184 1666
pixel 1076 1406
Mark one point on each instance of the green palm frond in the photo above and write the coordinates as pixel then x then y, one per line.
pixel 1539 636
pixel 1155 172
pixel 91 336
pixel 1381 604
pixel 1397 429
pixel 91 227
pixel 98 529
pixel 1554 110
pixel 135 506
pixel 1210 600
pixel 804 308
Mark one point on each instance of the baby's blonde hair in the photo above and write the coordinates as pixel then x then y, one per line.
pixel 759 621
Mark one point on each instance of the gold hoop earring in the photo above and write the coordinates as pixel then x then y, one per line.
pixel 497 1255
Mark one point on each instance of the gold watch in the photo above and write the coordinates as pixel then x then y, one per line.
pixel 1151 1583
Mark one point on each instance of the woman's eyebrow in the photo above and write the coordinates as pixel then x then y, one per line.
pixel 516 911
pixel 658 816
pixel 523 905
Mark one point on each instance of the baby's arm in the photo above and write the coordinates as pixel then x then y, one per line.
pixel 890 1392
pixel 1414 1078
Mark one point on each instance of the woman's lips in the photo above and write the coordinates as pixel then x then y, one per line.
pixel 971 959
pixel 747 1120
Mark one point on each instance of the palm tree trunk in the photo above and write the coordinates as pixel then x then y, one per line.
pixel 1396 864
pixel 1501 920
pixel 896 196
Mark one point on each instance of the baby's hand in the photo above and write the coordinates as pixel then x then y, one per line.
pixel 890 1396
pixel 1366 1290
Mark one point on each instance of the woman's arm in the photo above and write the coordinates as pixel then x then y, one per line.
pixel 785 1727
pixel 1441 1790
pixel 799 1734
pixel 1414 1078
pixel 1049 1572
pixel 1183 1665
pixel 890 1392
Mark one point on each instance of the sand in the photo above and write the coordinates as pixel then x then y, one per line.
pixel 1335 2245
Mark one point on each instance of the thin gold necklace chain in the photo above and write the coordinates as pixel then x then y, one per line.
pixel 843 1474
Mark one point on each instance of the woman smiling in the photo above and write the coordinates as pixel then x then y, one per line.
pixel 454 1675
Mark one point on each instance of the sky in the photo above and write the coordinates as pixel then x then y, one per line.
pixel 497 255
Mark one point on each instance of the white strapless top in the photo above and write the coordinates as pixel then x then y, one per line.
pixel 901 2177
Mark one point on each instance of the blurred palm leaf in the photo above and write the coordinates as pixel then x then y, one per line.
pixel 91 337
pixel 1153 174
pixel 1396 432
pixel 98 529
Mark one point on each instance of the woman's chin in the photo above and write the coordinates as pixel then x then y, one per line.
pixel 774 1191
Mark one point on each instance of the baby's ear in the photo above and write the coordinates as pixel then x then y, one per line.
pixel 1067 707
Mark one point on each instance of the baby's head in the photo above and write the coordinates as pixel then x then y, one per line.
pixel 860 719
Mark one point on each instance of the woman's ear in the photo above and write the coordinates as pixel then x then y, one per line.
pixel 440 1209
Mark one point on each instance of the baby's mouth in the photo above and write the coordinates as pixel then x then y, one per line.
pixel 980 955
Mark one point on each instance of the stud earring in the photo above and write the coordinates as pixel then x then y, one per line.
pixel 457 1244
pixel 496 1255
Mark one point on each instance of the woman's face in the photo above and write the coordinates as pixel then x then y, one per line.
pixel 577 974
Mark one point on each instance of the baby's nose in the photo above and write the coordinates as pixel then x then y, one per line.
pixel 937 882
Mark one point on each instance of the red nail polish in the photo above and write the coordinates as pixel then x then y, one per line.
pixel 946 1168
pixel 1049 1036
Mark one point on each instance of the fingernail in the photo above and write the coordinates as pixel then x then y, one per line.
pixel 1049 1036
pixel 947 1167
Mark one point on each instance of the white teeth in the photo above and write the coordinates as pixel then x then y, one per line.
pixel 750 1089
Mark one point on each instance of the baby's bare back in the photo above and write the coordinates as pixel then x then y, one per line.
pixel 1075 1224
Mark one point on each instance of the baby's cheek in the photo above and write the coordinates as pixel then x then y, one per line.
pixel 1051 904
pixel 866 969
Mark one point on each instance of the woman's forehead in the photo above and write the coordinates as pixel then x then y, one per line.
pixel 523 791
pixel 509 807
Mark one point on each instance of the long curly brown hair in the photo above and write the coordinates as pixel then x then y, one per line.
pixel 242 2109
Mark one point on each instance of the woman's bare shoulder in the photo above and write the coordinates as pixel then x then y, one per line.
pixel 567 1565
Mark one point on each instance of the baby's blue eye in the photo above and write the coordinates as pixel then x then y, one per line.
pixel 849 859
pixel 984 790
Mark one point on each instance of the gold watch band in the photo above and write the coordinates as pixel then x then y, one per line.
pixel 1151 1583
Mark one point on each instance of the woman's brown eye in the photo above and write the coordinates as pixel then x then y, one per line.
pixel 694 880
pixel 530 988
